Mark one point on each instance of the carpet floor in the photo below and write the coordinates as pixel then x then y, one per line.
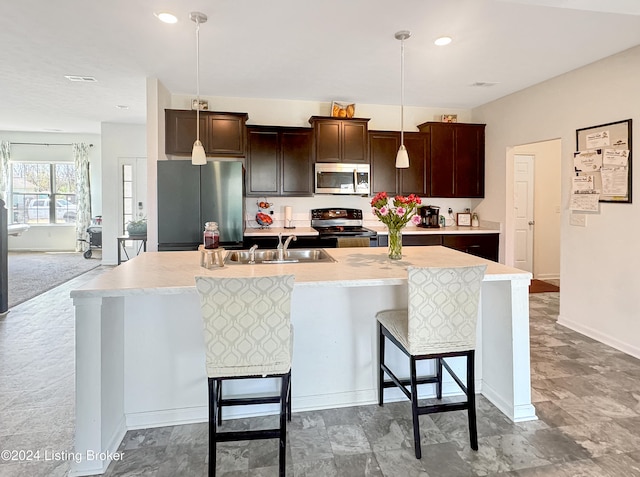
pixel 33 273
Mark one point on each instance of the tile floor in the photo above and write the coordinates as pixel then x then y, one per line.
pixel 587 396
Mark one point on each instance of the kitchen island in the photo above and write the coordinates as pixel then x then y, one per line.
pixel 140 352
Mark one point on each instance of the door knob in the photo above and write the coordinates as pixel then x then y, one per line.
pixel 531 222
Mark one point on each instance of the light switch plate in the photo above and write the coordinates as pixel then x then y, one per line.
pixel 579 220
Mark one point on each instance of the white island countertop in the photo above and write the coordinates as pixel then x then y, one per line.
pixel 140 353
pixel 172 272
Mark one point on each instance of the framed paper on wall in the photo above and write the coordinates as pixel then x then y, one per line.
pixel 463 219
pixel 602 162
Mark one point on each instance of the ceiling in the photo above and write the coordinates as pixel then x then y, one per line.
pixel 342 50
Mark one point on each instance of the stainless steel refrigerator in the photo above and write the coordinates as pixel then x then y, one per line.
pixel 189 196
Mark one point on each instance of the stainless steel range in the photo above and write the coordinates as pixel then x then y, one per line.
pixel 334 223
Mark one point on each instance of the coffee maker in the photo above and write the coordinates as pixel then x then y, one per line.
pixel 429 216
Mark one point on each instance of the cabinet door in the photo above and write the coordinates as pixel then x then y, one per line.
pixel 226 135
pixel 414 179
pixel 180 131
pixel 263 165
pixel 441 179
pixel 297 163
pixel 354 141
pixel 327 139
pixel 480 245
pixel 178 202
pixel 383 147
pixel 469 161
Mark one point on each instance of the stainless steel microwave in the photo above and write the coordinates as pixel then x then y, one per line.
pixel 340 178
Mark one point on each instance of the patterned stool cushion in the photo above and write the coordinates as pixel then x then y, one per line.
pixel 442 312
pixel 247 324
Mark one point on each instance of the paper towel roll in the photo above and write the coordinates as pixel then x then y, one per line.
pixel 287 214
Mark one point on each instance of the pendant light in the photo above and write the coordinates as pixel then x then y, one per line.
pixel 198 156
pixel 402 158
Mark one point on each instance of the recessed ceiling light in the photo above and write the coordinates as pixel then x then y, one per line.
pixel 82 79
pixel 166 17
pixel 122 106
pixel 443 40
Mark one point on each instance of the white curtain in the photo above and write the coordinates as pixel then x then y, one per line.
pixel 5 155
pixel 83 193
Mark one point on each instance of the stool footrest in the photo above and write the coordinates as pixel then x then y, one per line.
pixel 248 401
pixel 230 436
pixel 445 407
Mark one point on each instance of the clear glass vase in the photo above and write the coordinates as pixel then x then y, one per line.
pixel 395 243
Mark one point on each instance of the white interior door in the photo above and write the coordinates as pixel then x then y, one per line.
pixel 523 205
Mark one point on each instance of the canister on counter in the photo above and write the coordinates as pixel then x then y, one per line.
pixel 211 235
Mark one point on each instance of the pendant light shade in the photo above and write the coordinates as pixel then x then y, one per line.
pixel 402 158
pixel 198 155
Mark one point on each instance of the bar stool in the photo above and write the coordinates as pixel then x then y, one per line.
pixel 247 334
pixel 440 322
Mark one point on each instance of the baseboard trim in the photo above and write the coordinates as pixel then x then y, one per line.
pixel 599 336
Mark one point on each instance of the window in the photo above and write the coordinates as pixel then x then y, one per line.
pixel 127 195
pixel 43 193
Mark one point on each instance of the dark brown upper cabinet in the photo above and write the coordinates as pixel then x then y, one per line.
pixel 340 140
pixel 279 161
pixel 221 134
pixel 456 165
pixel 383 148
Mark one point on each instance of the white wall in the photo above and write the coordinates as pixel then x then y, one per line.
pixel 599 263
pixel 54 237
pixel 118 140
pixel 546 207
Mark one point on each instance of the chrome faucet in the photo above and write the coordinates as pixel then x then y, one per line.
pixel 283 248
pixel 252 253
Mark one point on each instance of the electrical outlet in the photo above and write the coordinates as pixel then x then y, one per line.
pixel 579 220
pixel 450 210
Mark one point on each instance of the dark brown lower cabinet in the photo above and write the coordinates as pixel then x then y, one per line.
pixel 480 245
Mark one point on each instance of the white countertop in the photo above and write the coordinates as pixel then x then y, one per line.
pixel 173 272
pixel 379 228
pixel 413 230
pixel 274 231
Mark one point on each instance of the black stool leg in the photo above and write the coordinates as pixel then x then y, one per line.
pixel 414 409
pixel 380 363
pixel 439 376
pixel 213 404
pixel 284 392
pixel 219 394
pixel 471 400
pixel 289 402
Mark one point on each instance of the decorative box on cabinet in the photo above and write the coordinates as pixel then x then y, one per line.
pixel 279 161
pixel 383 148
pixel 340 140
pixel 456 159
pixel 221 134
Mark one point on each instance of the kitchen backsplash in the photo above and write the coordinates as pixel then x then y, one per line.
pixel 301 207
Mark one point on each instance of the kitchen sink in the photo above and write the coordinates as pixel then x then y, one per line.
pixel 297 255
